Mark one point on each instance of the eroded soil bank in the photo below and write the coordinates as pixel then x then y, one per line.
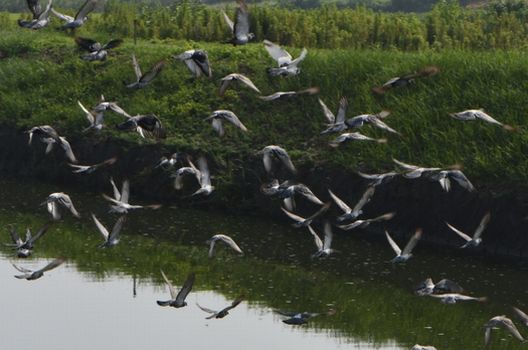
pixel 418 203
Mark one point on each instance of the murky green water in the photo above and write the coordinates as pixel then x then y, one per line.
pixel 89 302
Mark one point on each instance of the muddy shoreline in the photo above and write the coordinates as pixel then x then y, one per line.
pixel 418 203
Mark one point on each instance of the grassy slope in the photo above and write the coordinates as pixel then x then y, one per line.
pixel 43 79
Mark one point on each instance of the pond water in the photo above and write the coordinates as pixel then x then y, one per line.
pixel 106 298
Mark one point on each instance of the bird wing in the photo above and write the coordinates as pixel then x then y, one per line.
pixel 448 285
pixel 169 284
pixel 462 180
pixel 117 194
pixel 101 228
pixel 521 315
pixel 115 108
pixel 229 22
pixel 116 230
pixel 85 9
pixel 510 327
pixel 458 232
pixel 318 243
pixel 206 309
pixel 15 237
pixel 205 176
pixel 22 269
pixel 211 248
pixel 266 159
pixel 286 160
pixel 330 117
pixel 277 53
pixel 341 112
pixel 381 125
pixel 299 59
pixel 487 118
pixel 112 44
pixel 45 14
pixel 245 80
pixel 65 18
pixel 393 244
pixel 34 7
pixel 193 67
pixel 275 95
pixel 405 166
pixel 137 69
pixel 218 126
pixel 186 288
pixel 329 235
pixel 364 199
pixel 67 149
pixel 224 86
pixel 87 44
pixel 88 114
pixel 487 336
pixel 125 191
pixel 230 242
pixel 233 119
pixel 39 234
pixel 234 304
pixel 51 265
pixel 307 193
pixel 482 226
pixel 342 205
pixel 293 216
pixel 53 209
pixel 151 74
pixel 412 242
pixel 323 209
pixel 241 27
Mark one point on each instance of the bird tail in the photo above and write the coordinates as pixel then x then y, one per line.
pixel 483 299
pixel 509 127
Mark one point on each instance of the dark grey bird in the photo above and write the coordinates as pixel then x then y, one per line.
pixel 303 222
pixel 41 19
pixel 221 115
pixel 24 248
pixel 88 169
pixel 287 66
pixel 50 137
pixel 296 318
pixel 33 275
pixel 80 17
pixel 405 80
pixel 197 61
pixel 230 78
pixel 335 123
pixel 143 80
pixel 57 200
pixel 177 300
pixel 324 248
pixel 96 50
pixel 349 213
pixel 285 94
pixel 479 114
pixel 378 179
pixel 443 286
pixel 222 313
pixel 363 223
pixel 501 322
pixel 273 152
pixel 240 28
pixel 222 238
pixel 111 239
pixel 476 239
pixel 144 125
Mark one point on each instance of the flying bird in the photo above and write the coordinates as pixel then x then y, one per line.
pixel 414 171
pixel 479 114
pixel 453 298
pixel 144 125
pixel 406 79
pixel 444 178
pixel 120 200
pixel 277 153
pixel 57 200
pixel 221 115
pixel 40 19
pixel 443 286
pixel 288 195
pixel 111 239
pixel 296 318
pixel 204 179
pixel 283 94
pixel 24 248
pixel 50 137
pixel 80 17
pixel 335 123
pixel 33 275
pixel 88 169
pixel 363 223
pixel 476 239
pixel 143 80
pixel 230 78
pixel 406 254
pixel 168 162
pixel 177 300
pixel 181 172
pixel 349 136
pixel 349 213
pixel 303 222
pixel 239 29
pixel 222 313
pixel 521 316
pixel 197 61
pixel 287 65
pixel 423 347
pixel 378 179
pixel 324 248
pixel 97 51
pixel 502 322
pixel 222 238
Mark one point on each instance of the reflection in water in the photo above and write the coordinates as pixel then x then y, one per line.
pixel 88 303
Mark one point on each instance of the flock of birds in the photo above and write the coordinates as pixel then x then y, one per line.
pixel 276 160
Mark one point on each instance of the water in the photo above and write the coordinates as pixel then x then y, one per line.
pixel 89 302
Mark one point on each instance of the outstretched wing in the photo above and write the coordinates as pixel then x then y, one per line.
pixel 458 232
pixel 393 244
pixel 482 226
pixel 151 74
pixel 342 205
pixel 169 284
pixel 229 22
pixel 85 9
pixel 277 53
pixel 186 288
pixel 412 242
pixel 52 265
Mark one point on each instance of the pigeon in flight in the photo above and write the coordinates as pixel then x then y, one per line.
pixel 222 238
pixel 479 114
pixel 80 17
pixel 143 80
pixel 33 275
pixel 111 239
pixel 476 239
pixel 406 254
pixel 97 51
pixel 41 19
pixel 177 300
pixel 287 65
pixel 239 29
pixel 57 200
pixel 197 61
pixel 222 313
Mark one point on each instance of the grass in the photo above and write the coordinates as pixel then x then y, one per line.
pixel 43 77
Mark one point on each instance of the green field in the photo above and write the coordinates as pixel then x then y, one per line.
pixel 43 77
